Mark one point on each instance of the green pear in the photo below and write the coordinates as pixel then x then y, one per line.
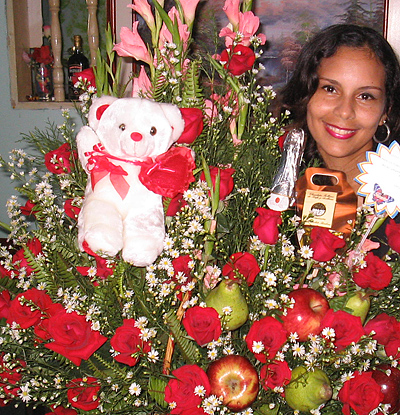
pixel 228 294
pixel 358 305
pixel 307 390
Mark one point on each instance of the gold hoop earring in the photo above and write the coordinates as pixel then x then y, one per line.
pixel 380 141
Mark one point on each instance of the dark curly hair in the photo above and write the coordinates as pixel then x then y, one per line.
pixel 304 81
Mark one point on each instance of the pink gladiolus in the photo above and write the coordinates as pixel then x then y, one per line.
pixel 247 26
pixel 166 36
pixel 141 84
pixel 189 10
pixel 231 9
pixel 143 8
pixel 132 45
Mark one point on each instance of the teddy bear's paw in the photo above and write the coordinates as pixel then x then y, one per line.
pixel 100 240
pixel 141 256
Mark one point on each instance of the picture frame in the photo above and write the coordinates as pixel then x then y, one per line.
pixel 118 16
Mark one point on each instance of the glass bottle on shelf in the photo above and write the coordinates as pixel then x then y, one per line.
pixel 77 62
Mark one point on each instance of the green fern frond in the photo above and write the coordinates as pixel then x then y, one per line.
pixel 192 93
pixel 156 391
pixel 187 347
pixel 110 365
pixel 159 87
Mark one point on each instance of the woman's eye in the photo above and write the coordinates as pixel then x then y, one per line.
pixel 365 96
pixel 153 131
pixel 329 88
pixel 122 127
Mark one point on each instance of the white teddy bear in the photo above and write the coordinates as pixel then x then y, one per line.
pixel 118 212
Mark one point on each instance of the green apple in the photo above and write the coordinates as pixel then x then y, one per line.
pixel 358 305
pixel 228 294
pixel 307 390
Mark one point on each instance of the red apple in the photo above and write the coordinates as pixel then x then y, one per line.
pixel 390 386
pixel 234 379
pixel 305 317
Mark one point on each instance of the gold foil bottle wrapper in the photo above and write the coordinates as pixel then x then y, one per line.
pixel 283 185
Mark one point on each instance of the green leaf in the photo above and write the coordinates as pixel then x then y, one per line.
pixel 187 347
pixel 156 390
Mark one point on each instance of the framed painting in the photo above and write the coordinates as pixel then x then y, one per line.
pixel 286 24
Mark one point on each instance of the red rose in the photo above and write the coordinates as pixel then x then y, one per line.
pixel 387 333
pixel 23 313
pixel 324 244
pixel 87 76
pixel 193 118
pixel 59 161
pixel 41 329
pixel 170 174
pixel 242 264
pixel 226 183
pixel 83 393
pixel 175 204
pixel 203 324
pixel 5 303
pixel 103 269
pixel 270 333
pixel 28 209
pixel 42 55
pixel 361 393
pixel 60 410
pixel 266 224
pixel 392 231
pixel 19 260
pixel 376 275
pixel 275 375
pixel 348 328
pixel 240 61
pixel 181 266
pixel 73 336
pixel 181 390
pixel 70 210
pixel 10 377
pixel 128 343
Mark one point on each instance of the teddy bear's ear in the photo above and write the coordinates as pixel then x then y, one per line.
pixel 175 119
pixel 99 105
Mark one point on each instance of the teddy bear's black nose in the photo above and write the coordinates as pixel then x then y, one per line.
pixel 136 136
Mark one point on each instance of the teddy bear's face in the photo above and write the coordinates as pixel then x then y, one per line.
pixel 135 128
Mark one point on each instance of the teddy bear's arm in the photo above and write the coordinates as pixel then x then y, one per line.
pixel 86 139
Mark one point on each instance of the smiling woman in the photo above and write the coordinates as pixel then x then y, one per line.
pixel 344 90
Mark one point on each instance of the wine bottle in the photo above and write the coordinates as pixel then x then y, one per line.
pixel 77 62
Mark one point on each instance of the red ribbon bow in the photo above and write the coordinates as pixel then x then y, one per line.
pixel 99 166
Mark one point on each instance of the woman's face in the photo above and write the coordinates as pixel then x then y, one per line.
pixel 348 105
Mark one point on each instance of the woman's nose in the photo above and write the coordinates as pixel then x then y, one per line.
pixel 345 108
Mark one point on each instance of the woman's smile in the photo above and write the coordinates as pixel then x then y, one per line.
pixel 338 132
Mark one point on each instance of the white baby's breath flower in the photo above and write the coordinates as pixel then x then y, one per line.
pixel 212 354
pixel 153 355
pixel 347 376
pixel 298 349
pixel 328 333
pixel 258 347
pixel 269 278
pixel 200 390
pixel 227 310
pixel 306 252
pixel 135 389
pixel 287 249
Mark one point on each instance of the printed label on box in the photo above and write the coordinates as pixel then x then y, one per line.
pixel 319 208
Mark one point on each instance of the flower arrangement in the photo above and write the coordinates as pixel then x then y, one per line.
pixel 234 316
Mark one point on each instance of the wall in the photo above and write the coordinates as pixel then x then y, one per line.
pixel 13 122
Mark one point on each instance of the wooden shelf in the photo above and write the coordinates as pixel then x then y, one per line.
pixel 43 105
pixel 24 25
